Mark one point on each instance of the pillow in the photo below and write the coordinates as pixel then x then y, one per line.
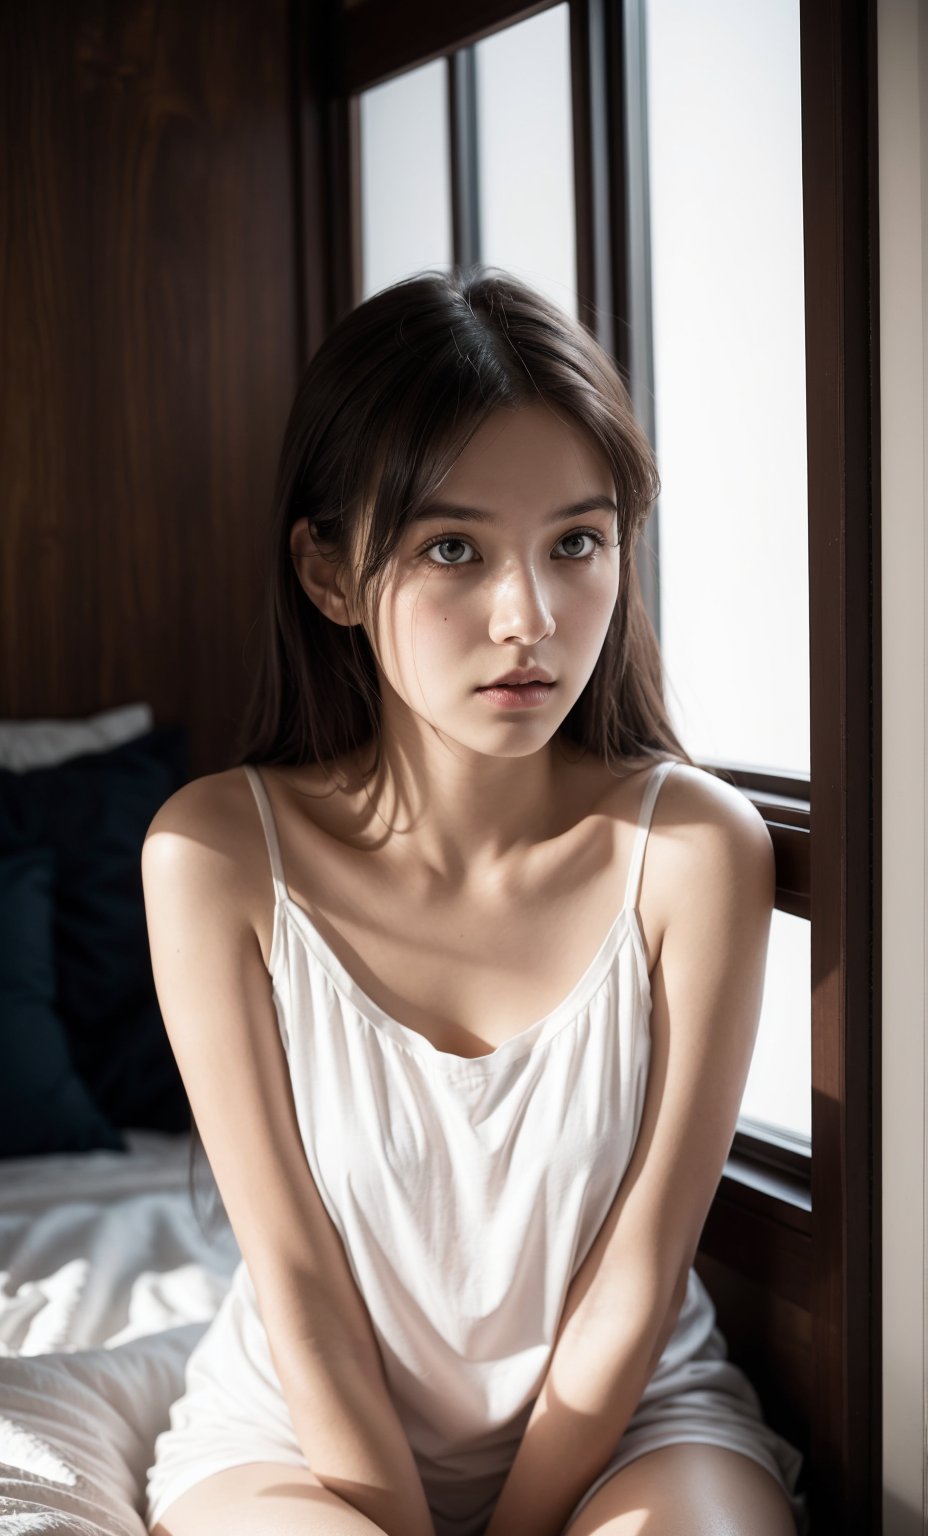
pixel 44 1105
pixel 38 743
pixel 78 1431
pixel 94 811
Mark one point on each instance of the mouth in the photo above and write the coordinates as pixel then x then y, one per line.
pixel 521 680
pixel 516 695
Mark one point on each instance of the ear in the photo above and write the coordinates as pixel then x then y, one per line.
pixel 318 575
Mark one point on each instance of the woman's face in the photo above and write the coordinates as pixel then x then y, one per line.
pixel 535 584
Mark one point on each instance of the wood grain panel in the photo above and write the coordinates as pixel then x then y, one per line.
pixel 770 1338
pixel 839 156
pixel 147 305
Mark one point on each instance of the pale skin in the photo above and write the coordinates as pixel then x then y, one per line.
pixel 482 835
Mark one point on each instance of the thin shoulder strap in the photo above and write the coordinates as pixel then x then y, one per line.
pixel 254 778
pixel 655 780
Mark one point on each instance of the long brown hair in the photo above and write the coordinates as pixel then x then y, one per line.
pixel 386 405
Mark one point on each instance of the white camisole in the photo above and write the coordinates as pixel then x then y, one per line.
pixel 466 1192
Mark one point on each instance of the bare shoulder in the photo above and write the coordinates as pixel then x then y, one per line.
pixel 706 836
pixel 198 810
pixel 704 804
pixel 709 833
pixel 214 798
pixel 693 807
pixel 206 833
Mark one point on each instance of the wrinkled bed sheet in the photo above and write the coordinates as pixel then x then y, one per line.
pixel 100 1247
pixel 106 1283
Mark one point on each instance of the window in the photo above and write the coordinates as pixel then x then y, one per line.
pixel 777 1095
pixel 405 201
pixel 728 317
pixel 515 161
pixel 723 225
pixel 525 154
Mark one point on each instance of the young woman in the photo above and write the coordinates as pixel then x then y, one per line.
pixel 465 1063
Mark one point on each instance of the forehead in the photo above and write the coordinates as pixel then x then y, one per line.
pixel 527 453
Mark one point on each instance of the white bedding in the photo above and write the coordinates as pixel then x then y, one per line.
pixel 106 1283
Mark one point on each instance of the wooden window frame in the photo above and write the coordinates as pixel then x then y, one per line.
pixel 761 1223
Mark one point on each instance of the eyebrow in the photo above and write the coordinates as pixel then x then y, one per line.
pixel 448 509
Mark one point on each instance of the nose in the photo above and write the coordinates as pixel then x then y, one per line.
pixel 520 608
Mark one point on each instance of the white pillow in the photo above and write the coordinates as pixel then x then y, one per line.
pixel 78 1431
pixel 28 744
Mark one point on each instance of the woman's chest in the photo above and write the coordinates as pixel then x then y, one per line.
pixel 471 981
pixel 467 970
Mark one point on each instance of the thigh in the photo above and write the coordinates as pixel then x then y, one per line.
pixel 270 1498
pixel 687 1489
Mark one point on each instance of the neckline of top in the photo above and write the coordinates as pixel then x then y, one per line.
pixel 524 1041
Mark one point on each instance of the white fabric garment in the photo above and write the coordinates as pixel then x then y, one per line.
pixel 466 1192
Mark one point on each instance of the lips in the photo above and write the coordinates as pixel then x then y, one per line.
pixel 520 679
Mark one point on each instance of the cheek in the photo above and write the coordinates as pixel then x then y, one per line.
pixel 442 626
pixel 421 629
pixel 440 605
pixel 597 612
pixel 585 606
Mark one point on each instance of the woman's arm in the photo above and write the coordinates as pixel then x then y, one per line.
pixel 348 1427
pixel 217 1003
pixel 592 1387
pixel 624 1300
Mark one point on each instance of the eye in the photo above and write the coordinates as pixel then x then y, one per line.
pixel 447 539
pixel 453 539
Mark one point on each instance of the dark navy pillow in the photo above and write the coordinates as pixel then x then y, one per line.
pixel 44 1105
pixel 94 812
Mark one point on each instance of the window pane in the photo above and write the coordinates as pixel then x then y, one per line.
pixel 778 1094
pixel 725 176
pixel 525 154
pixel 405 184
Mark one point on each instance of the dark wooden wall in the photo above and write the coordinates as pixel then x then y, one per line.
pixel 150 348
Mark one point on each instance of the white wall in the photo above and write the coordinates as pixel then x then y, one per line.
pixel 903 172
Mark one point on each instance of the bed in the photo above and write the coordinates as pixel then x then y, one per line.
pixel 109 1270
pixel 108 1280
